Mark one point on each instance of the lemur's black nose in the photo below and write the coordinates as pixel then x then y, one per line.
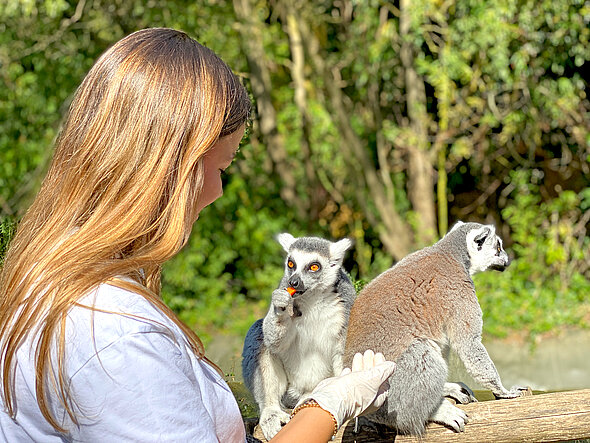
pixel 296 283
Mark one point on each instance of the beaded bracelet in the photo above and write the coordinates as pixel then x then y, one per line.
pixel 311 403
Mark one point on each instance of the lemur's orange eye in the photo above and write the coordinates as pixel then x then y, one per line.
pixel 290 264
pixel 314 267
pixel 499 249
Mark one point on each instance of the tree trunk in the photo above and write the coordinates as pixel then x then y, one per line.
pixel 420 163
pixel 316 192
pixel 394 232
pixel 267 115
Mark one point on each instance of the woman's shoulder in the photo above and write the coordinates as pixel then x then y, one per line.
pixel 117 345
pixel 109 297
pixel 109 313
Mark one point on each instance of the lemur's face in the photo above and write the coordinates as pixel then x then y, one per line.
pixel 308 271
pixel 312 264
pixel 485 250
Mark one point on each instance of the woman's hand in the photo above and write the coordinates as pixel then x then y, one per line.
pixel 360 389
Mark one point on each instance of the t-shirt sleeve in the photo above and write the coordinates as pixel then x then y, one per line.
pixel 139 388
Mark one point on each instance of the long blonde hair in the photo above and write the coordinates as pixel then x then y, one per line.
pixel 120 193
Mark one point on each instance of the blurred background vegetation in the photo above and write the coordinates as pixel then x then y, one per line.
pixel 380 121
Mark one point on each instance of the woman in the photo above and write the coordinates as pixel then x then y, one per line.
pixel 89 350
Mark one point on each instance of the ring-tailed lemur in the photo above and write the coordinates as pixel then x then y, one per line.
pixel 413 312
pixel 300 341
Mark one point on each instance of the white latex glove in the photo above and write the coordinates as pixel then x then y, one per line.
pixel 356 391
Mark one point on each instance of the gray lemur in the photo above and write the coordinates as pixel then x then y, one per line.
pixel 300 341
pixel 414 312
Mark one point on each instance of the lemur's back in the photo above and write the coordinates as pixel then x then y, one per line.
pixel 411 300
pixel 417 310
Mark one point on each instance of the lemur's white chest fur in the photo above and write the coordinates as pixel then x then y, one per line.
pixel 317 347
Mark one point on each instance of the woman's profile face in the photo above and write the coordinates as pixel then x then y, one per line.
pixel 215 162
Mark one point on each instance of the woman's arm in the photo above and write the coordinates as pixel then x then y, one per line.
pixel 311 425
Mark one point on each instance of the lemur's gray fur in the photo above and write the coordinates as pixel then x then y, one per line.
pixel 300 341
pixel 414 312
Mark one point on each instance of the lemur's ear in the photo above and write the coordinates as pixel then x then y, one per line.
pixel 338 249
pixel 480 238
pixel 286 240
pixel 456 225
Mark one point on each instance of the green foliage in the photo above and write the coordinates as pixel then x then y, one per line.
pixel 505 100
pixel 548 284
pixel 248 407
pixel 7 231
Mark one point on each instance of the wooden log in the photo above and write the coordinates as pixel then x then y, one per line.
pixel 539 418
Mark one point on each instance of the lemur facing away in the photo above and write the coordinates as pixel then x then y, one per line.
pixel 300 341
pixel 413 312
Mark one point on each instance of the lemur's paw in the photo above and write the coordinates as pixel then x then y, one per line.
pixel 515 391
pixel 282 302
pixel 459 392
pixel 271 421
pixel 450 416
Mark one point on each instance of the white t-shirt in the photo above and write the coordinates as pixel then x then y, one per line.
pixel 133 379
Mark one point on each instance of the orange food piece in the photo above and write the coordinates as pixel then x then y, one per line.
pixel 291 291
